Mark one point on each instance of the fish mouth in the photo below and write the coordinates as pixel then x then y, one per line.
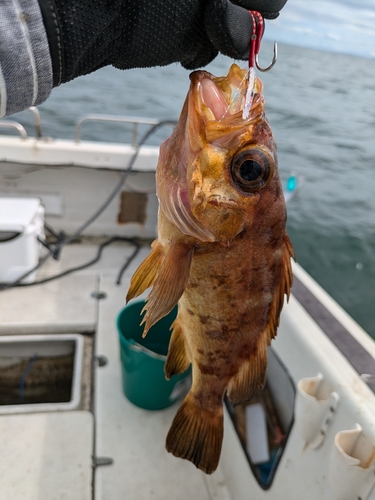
pixel 222 98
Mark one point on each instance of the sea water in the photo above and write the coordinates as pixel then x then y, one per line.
pixel 321 107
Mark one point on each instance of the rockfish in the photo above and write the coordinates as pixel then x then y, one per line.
pixel 222 253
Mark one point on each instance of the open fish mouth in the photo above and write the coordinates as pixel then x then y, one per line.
pixel 222 98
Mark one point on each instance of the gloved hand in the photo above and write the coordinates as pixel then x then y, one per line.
pixel 85 35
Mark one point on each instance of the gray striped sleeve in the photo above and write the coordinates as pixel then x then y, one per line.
pixel 25 61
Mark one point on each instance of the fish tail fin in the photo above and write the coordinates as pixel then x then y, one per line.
pixel 177 359
pixel 196 435
pixel 147 272
pixel 251 376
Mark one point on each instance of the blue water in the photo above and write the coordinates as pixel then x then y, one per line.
pixel 321 107
pixel 343 26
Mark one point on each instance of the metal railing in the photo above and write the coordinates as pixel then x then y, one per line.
pixel 37 121
pixel 21 129
pixel 134 120
pixel 15 125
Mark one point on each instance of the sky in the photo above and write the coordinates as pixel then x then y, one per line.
pixel 346 26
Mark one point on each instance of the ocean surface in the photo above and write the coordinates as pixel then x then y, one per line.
pixel 321 107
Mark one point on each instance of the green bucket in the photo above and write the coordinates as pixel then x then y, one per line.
pixel 143 359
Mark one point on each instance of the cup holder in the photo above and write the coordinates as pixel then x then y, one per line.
pixel 316 403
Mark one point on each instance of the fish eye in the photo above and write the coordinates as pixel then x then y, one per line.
pixel 252 169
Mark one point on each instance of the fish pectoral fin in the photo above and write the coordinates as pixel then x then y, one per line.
pixel 177 359
pixel 169 284
pixel 196 435
pixel 251 376
pixel 146 274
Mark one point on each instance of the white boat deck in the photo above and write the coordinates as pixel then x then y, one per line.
pixel 47 456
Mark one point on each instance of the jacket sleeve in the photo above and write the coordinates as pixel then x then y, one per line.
pixel 25 61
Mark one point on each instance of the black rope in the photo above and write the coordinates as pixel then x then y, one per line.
pixel 91 262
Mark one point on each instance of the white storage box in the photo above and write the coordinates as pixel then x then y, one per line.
pixel 21 222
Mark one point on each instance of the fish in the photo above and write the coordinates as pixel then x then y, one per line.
pixel 222 253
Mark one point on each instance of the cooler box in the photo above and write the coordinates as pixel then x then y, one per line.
pixel 21 222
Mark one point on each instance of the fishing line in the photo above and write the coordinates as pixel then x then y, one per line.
pixel 255 41
pixel 256 37
pixel 55 248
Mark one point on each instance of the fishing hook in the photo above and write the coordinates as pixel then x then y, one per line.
pixel 273 60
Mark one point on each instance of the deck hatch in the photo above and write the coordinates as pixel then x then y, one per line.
pixel 40 372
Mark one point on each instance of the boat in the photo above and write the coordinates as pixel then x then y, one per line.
pixel 73 434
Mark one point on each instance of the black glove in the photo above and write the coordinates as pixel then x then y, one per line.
pixel 85 35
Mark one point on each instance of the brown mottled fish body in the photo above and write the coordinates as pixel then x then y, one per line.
pixel 222 253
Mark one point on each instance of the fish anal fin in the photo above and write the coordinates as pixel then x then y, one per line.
pixel 196 435
pixel 169 285
pixel 251 376
pixel 177 360
pixel 146 274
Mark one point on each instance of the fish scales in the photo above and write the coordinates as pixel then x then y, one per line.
pixel 222 254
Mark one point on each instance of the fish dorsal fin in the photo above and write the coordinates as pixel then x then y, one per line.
pixel 146 274
pixel 283 288
pixel 169 285
pixel 252 374
pixel 177 359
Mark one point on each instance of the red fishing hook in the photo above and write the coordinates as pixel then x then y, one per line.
pixel 256 38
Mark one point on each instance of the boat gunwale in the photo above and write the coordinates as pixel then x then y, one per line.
pixel 350 347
